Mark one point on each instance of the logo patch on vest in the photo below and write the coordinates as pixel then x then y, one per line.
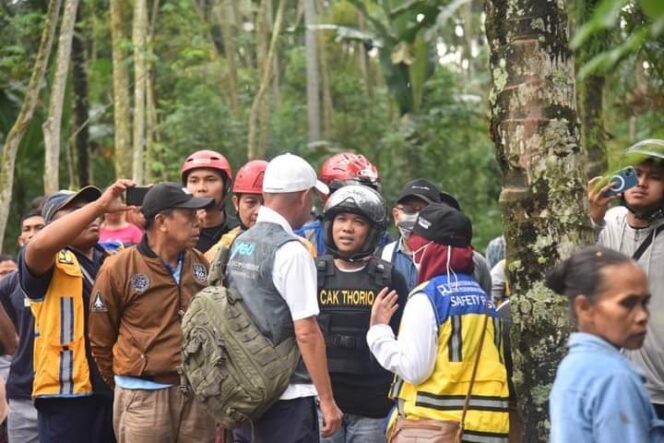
pixel 65 258
pixel 246 249
pixel 200 273
pixel 98 304
pixel 140 282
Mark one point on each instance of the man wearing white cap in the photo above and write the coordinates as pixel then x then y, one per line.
pixel 276 277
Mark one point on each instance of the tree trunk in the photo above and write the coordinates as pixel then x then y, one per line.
pixel 151 106
pixel 139 37
pixel 253 149
pixel 223 11
pixel 121 111
pixel 362 55
pixel 53 123
pixel 24 117
pixel 80 145
pixel 534 126
pixel 590 92
pixel 313 98
pixel 328 103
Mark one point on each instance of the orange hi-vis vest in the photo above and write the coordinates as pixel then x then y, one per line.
pixel 60 363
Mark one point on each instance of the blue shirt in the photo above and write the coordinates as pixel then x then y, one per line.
pixel 403 263
pixel 599 396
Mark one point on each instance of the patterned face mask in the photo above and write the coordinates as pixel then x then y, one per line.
pixel 406 224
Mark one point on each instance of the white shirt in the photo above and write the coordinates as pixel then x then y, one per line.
pixel 413 356
pixel 294 276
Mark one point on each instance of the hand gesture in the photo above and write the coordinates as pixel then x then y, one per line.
pixel 597 201
pixel 109 201
pixel 384 307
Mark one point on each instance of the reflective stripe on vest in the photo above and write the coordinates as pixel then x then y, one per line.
pixel 60 362
pixel 459 307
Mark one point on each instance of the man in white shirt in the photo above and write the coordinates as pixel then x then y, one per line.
pixel 285 272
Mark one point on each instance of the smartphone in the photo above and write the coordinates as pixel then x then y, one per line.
pixel 136 195
pixel 621 181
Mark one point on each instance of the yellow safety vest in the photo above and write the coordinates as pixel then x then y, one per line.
pixel 459 309
pixel 60 364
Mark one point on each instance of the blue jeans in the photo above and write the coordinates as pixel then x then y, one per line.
pixel 358 429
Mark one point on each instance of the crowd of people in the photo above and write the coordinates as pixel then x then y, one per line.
pixel 400 340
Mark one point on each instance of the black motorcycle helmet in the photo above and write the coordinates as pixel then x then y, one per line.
pixel 360 200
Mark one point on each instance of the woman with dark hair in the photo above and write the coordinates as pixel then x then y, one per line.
pixel 598 394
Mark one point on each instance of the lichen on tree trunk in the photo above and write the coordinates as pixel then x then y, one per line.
pixel 534 126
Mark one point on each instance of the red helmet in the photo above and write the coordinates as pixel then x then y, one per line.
pixel 249 178
pixel 210 160
pixel 348 168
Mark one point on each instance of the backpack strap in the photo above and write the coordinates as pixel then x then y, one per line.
pixel 381 271
pixel 388 252
pixel 324 268
pixel 217 272
pixel 647 242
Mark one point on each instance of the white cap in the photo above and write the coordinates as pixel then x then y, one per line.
pixel 291 173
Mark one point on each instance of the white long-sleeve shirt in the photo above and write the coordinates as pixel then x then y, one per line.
pixel 413 356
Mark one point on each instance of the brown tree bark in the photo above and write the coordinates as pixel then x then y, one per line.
pixel 223 12
pixel 254 149
pixel 24 118
pixel 80 140
pixel 535 129
pixel 121 111
pixel 53 123
pixel 139 39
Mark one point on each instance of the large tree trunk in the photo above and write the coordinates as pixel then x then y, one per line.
pixel 121 111
pixel 254 149
pixel 590 92
pixel 53 123
pixel 139 37
pixel 80 145
pixel 151 103
pixel 534 126
pixel 313 97
pixel 24 118
pixel 224 11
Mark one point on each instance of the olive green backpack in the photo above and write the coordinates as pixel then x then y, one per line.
pixel 227 363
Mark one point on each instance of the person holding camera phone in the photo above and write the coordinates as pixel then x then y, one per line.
pixel 635 229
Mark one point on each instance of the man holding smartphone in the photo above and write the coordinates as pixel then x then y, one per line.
pixel 207 173
pixel 635 229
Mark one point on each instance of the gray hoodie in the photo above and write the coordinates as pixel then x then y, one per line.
pixel 617 234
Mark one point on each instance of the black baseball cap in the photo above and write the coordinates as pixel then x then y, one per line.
pixel 60 199
pixel 168 195
pixel 427 191
pixel 445 225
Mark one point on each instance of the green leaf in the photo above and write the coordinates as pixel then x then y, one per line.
pixel 653 8
pixel 417 70
pixel 605 16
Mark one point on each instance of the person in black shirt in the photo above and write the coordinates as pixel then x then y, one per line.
pixel 22 420
pixel 349 280
pixel 208 174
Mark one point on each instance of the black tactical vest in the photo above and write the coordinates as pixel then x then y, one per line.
pixel 345 300
pixel 249 271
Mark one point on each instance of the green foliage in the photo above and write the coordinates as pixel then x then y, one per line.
pixel 639 24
